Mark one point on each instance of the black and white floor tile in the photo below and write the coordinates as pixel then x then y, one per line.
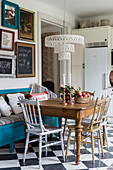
pixel 54 160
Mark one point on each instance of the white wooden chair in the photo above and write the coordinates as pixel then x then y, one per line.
pixel 31 110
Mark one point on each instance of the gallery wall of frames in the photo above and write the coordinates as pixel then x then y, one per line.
pixel 22 63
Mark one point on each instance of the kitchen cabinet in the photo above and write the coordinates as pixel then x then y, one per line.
pixel 97 34
pixel 77 62
pixel 77 76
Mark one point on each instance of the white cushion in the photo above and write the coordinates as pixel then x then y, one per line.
pixel 5 109
pixel 14 102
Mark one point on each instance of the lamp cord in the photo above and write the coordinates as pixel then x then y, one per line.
pixel 64 22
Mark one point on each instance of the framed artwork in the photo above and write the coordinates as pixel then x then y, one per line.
pixel 6 40
pixel 25 59
pixel 7 66
pixel 10 14
pixel 26 25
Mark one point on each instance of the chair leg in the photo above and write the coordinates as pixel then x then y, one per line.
pixel 101 143
pixel 98 143
pixel 68 142
pixel 40 150
pixel 62 145
pixel 92 145
pixel 106 136
pixel 65 125
pixel 45 144
pixel 26 147
pixel 74 141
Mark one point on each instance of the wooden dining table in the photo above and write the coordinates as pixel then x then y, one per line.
pixel 55 108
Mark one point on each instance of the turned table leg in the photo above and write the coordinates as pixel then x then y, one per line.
pixel 78 129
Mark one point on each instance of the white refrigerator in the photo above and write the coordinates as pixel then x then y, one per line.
pixel 96 70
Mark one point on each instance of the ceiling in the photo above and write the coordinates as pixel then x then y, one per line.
pixel 84 8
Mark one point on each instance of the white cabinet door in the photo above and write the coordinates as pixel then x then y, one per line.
pixel 78 55
pixel 77 76
pixel 77 61
pixel 97 34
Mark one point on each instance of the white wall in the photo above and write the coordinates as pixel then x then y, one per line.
pixel 33 5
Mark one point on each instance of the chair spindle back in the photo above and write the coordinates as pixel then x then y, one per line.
pixel 99 111
pixel 32 112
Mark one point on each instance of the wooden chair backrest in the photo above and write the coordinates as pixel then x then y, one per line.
pixel 99 111
pixel 107 108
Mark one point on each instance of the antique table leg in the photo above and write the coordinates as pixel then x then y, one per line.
pixel 78 129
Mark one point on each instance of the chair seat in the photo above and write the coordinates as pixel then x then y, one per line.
pixel 51 129
pixel 95 128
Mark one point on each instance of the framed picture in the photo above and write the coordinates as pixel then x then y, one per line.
pixel 7 66
pixel 10 14
pixel 25 59
pixel 26 25
pixel 6 40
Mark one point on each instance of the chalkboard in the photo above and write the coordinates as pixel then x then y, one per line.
pixel 25 60
pixel 5 66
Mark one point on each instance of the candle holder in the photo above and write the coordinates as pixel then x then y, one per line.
pixel 70 101
pixel 64 102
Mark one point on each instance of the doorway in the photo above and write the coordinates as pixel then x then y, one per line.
pixel 50 62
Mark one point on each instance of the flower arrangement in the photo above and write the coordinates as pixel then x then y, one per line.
pixel 67 90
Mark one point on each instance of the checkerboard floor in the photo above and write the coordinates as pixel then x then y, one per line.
pixel 54 160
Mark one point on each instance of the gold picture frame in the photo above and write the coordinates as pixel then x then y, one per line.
pixel 25 53
pixel 26 25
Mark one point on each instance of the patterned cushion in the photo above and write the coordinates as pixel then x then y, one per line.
pixel 40 96
pixel 36 88
pixel 14 102
pixel 5 109
pixel 11 119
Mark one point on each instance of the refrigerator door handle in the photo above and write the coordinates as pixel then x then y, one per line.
pixel 105 81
